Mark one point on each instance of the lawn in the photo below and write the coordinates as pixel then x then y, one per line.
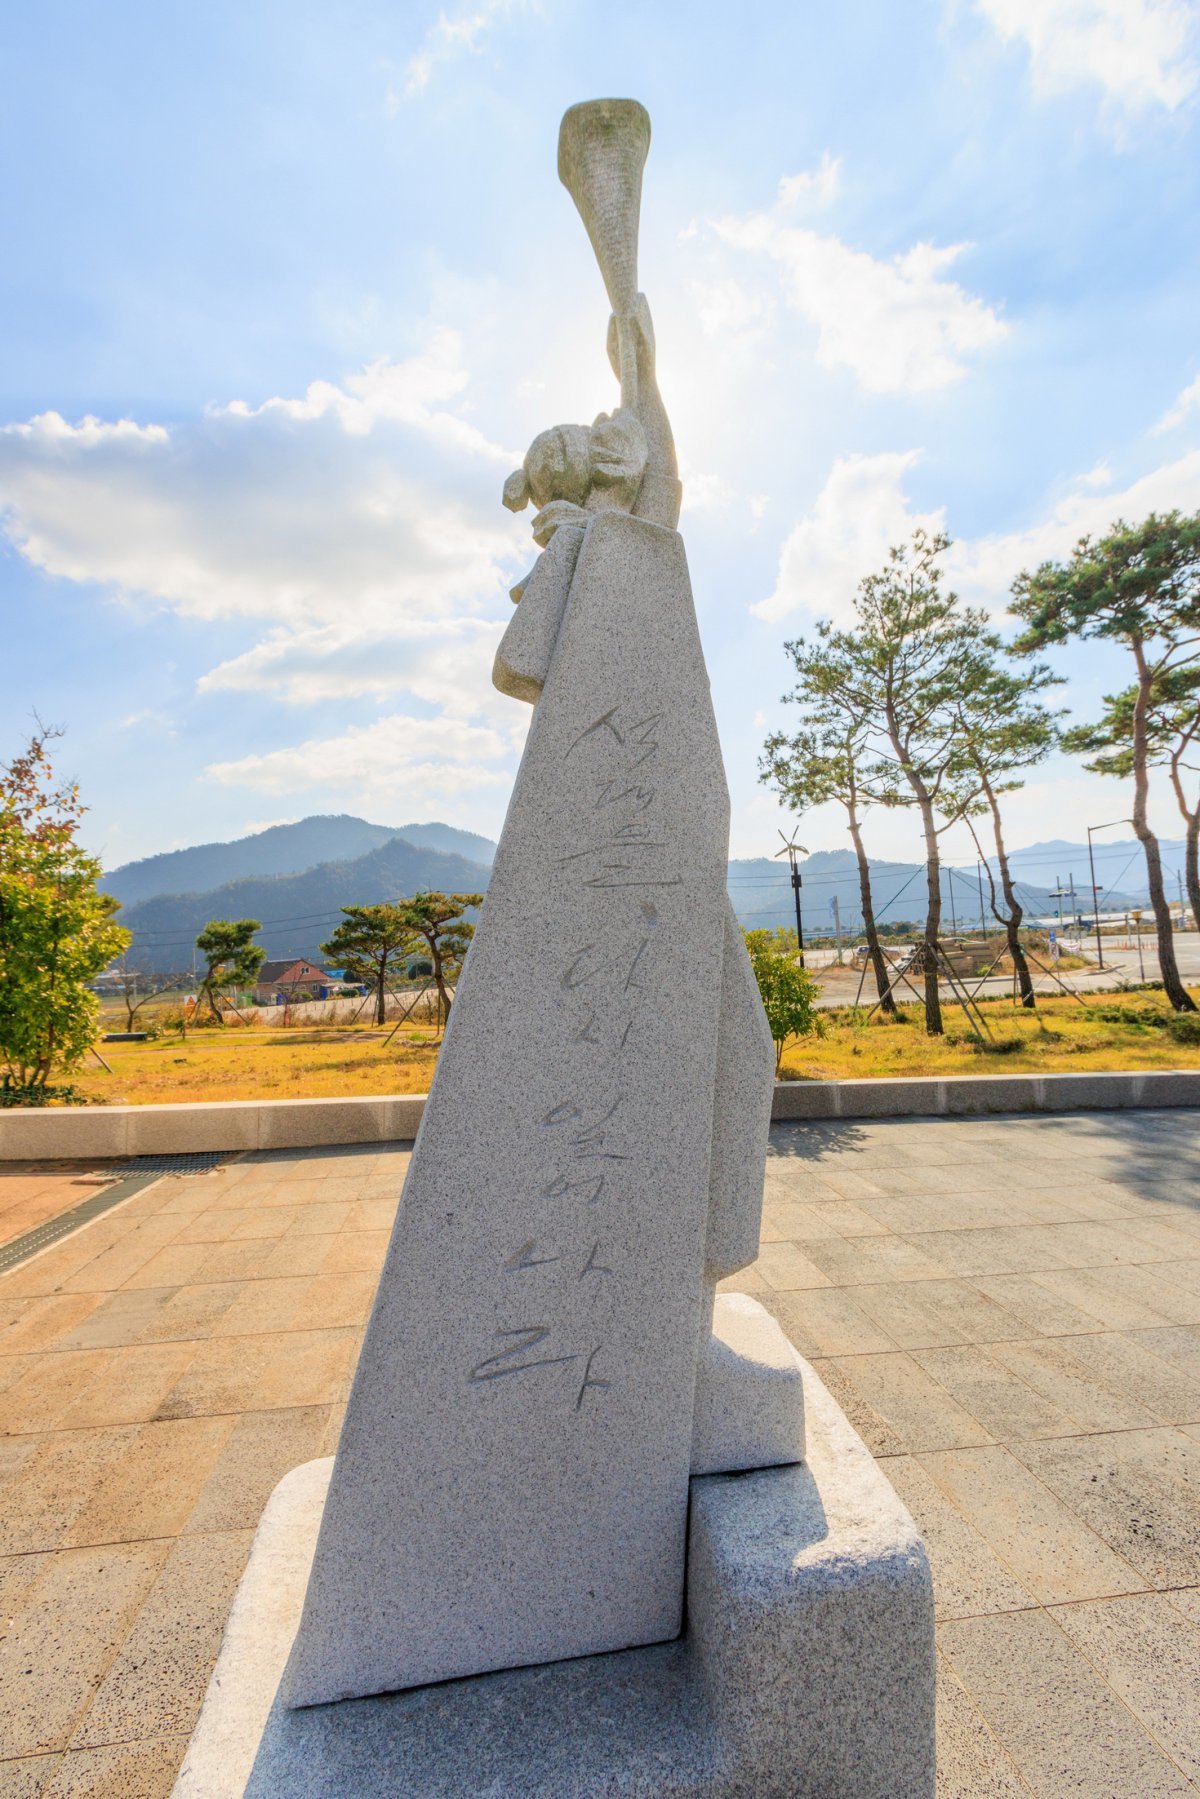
pixel 236 1063
pixel 1116 1030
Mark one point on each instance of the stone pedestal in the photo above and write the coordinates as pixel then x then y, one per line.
pixel 805 1668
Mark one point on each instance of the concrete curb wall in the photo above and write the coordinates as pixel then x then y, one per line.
pixel 95 1131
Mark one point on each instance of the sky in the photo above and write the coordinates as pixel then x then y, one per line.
pixel 288 289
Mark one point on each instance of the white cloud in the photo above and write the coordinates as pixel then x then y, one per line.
pixel 814 187
pixel 983 569
pixel 1139 52
pixel 899 324
pixel 861 510
pixel 446 756
pixel 370 497
pixel 1185 404
pixel 361 523
pixel 449 37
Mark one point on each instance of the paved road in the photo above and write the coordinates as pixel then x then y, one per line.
pixel 1121 968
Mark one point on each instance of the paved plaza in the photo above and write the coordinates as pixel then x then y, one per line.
pixel 1007 1308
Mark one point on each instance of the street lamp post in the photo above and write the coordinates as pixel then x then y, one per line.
pixel 1095 902
pixel 791 850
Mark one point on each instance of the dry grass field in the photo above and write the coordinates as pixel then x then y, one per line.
pixel 1114 1031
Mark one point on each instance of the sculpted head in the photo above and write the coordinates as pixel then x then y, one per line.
pixel 594 468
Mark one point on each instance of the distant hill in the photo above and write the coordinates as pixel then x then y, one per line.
pixel 297 910
pixel 297 877
pixel 281 850
pixel 761 891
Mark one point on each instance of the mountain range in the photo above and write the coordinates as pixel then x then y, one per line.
pixel 296 878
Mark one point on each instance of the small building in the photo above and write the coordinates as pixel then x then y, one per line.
pixel 295 978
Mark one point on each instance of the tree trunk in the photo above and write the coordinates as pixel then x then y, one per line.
pixel 380 1000
pixel 1014 912
pixel 933 918
pixel 882 981
pixel 440 978
pixel 1191 847
pixel 1174 988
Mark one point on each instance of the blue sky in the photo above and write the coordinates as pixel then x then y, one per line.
pixel 288 289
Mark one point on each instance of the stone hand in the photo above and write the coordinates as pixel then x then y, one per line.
pixel 643 327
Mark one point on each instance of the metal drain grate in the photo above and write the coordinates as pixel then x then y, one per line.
pixel 132 1177
pixel 188 1161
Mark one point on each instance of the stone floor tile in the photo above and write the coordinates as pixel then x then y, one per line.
pixel 1150 1655
pixel 323 1220
pixel 1005 1405
pixel 264 1373
pixel 1112 1302
pixel 1049 1549
pixel 52 1484
pixel 371 1214
pixel 1036 1308
pixel 935 1314
pixel 825 1321
pixel 241 1260
pixel 334 1301
pixel 43 1322
pixel 119 1771
pixel 189 1312
pixel 970 1761
pixel 355 1252
pixel 967 1577
pixel 124 1258
pixel 880 1436
pixel 117 1319
pixel 1129 1368
pixel 1177 1343
pixel 1136 1489
pixel 48 1385
pixel 793 1222
pixel 156 1683
pixel 293 1256
pixel 141 1376
pixel 151 1488
pixel 1050 1366
pixel 845 1218
pixel 28 1778
pixel 49 1271
pixel 1010 1249
pixel 918 1410
pixel 1153 1285
pixel 220 1226
pixel 60 1644
pixel 744 1281
pixel 261 1448
pixel 859 1261
pixel 263 1305
pixel 944 1212
pixel 173 1266
pixel 785 1267
pixel 1064 1727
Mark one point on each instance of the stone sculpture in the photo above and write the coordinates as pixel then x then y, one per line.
pixel 591 1159
pixel 554 1411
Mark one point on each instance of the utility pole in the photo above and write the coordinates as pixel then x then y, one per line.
pixel 791 850
pixel 1095 889
pixel 979 878
pixel 837 926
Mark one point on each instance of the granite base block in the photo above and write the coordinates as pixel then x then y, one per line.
pixel 806 1670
